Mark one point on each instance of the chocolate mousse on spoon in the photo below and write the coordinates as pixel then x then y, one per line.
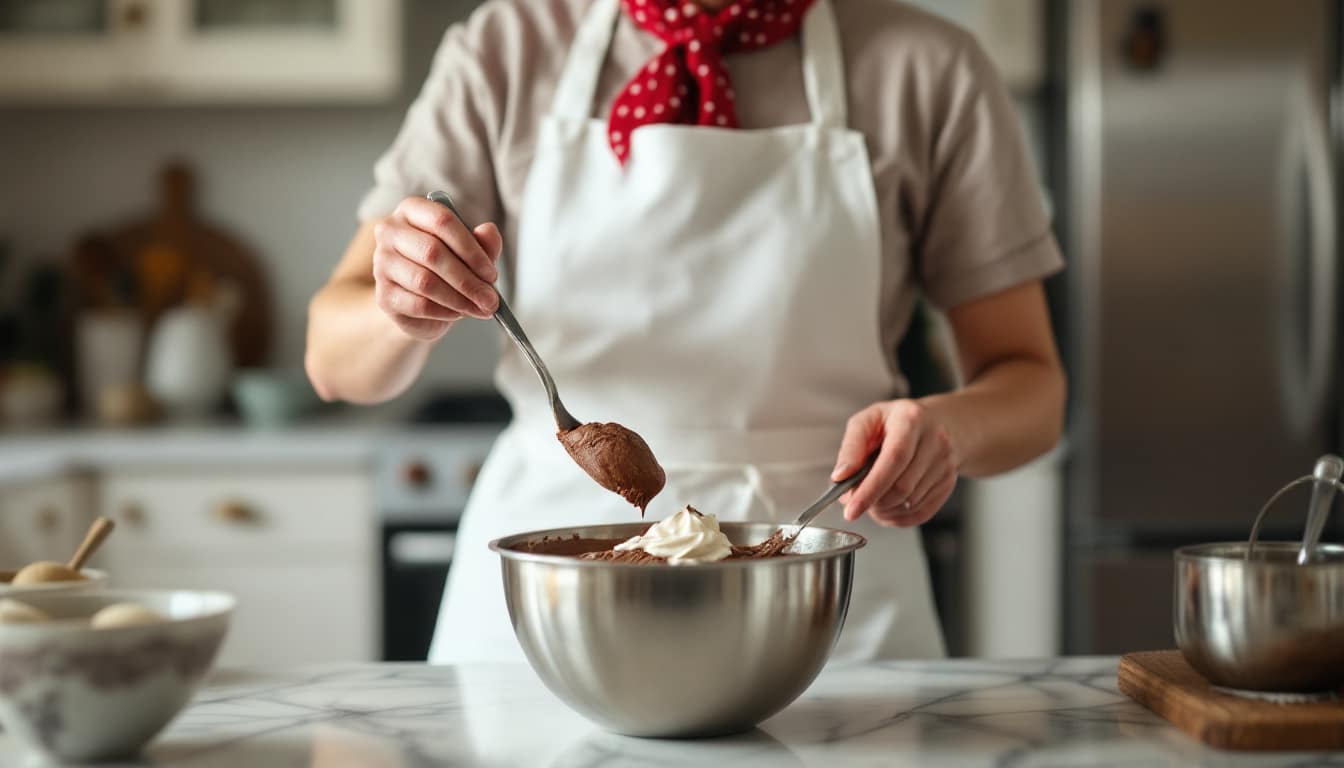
pixel 616 457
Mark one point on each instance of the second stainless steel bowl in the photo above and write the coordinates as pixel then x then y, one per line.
pixel 1266 624
pixel 686 650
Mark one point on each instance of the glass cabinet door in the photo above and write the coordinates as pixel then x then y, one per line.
pixel 36 19
pixel 283 50
pixel 199 51
pixel 257 15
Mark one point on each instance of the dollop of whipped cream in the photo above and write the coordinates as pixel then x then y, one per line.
pixel 686 537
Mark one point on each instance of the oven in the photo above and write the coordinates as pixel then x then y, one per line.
pixel 424 475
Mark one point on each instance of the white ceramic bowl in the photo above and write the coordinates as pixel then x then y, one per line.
pixel 94 580
pixel 78 694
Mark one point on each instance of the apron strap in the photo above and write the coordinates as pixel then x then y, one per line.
pixel 823 64
pixel 824 67
pixel 578 82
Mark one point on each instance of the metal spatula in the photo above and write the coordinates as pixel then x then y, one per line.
pixel 834 492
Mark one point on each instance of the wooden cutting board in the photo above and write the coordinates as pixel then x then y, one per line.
pixel 1163 682
pixel 154 262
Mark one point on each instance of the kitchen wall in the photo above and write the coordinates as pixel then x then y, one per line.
pixel 286 180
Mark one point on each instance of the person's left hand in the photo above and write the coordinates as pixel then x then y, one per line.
pixel 916 468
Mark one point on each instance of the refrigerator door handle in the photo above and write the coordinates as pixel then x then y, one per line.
pixel 1308 255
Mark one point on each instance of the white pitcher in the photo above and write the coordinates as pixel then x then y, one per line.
pixel 190 359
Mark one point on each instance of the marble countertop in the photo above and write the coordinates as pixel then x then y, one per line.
pixel 945 713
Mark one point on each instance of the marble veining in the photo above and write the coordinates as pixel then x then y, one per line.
pixel 1062 712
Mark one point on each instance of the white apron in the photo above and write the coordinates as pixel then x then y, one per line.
pixel 718 295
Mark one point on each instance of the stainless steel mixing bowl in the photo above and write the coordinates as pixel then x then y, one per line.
pixel 680 650
pixel 1266 624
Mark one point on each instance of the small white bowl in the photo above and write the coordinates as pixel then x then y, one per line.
pixel 94 580
pixel 78 694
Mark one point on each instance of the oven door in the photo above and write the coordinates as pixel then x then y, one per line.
pixel 416 558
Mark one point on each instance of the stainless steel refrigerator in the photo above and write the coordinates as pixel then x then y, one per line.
pixel 1200 214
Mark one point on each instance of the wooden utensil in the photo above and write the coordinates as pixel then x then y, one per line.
pixel 46 571
pixel 164 257
pixel 98 533
pixel 1163 682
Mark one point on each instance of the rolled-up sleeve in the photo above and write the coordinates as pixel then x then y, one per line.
pixel 985 228
pixel 447 139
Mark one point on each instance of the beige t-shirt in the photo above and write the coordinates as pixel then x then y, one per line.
pixel 961 213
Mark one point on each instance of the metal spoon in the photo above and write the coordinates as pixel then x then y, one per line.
pixel 1325 478
pixel 618 459
pixel 564 420
pixel 834 492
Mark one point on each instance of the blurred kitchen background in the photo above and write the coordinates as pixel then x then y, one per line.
pixel 178 176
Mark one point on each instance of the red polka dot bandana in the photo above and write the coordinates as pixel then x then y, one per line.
pixel 687 82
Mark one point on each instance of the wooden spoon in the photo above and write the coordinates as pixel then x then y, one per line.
pixel 39 573
pixel 98 533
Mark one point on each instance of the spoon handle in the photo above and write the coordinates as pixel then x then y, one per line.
pixel 504 316
pixel 1325 478
pixel 92 541
pixel 836 491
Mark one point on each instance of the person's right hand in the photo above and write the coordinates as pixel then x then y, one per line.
pixel 429 270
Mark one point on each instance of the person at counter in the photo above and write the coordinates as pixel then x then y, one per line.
pixel 714 218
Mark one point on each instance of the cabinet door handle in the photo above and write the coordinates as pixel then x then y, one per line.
pixel 134 16
pixel 470 473
pixel 133 514
pixel 236 513
pixel 48 519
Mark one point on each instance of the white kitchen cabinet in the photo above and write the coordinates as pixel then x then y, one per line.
pixel 199 51
pixel 297 547
pixel 42 519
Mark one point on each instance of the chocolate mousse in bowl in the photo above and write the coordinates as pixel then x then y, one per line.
pixel 686 538
pixel 685 628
